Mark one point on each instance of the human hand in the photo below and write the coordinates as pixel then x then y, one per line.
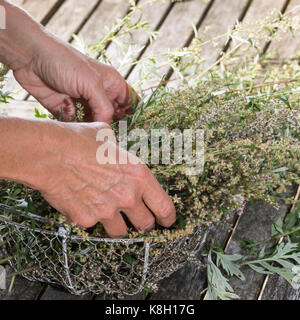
pixel 86 192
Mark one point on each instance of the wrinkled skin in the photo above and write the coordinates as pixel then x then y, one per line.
pixel 87 192
pixel 60 76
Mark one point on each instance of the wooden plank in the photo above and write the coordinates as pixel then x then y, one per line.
pixel 278 288
pixel 259 9
pixel 22 290
pixel 213 26
pixel 52 293
pixel 220 19
pixel 154 14
pixel 275 287
pixel 174 33
pixel 255 224
pixel 69 18
pixel 289 44
pixel 38 9
pixel 103 19
pixel 189 282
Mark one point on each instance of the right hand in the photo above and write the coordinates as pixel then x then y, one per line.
pixel 86 192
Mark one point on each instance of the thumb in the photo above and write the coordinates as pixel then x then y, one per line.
pixel 101 107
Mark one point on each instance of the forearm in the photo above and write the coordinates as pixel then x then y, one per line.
pixel 21 38
pixel 25 150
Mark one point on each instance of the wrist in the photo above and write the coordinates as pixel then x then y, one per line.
pixel 20 39
pixel 25 154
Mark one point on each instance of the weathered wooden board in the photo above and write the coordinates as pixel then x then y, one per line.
pixel 230 12
pixel 175 32
pixel 39 9
pixel 255 224
pixel 154 14
pixel 259 9
pixel 220 19
pixel 103 18
pixel 278 288
pixel 22 290
pixel 289 44
pixel 70 17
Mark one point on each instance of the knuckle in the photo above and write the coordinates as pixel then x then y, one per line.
pixel 141 171
pixel 129 200
pixel 167 210
pixel 107 216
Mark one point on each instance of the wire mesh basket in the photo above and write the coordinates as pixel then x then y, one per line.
pixel 90 265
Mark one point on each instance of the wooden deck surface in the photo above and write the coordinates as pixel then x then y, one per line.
pixel 174 22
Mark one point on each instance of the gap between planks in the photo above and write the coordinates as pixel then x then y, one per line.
pixel 267 277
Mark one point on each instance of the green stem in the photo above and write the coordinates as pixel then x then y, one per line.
pixel 255 261
pixel 11 284
pixel 21 272
pixel 7 259
pixel 275 237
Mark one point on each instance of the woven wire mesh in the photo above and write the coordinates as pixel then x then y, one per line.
pixel 89 265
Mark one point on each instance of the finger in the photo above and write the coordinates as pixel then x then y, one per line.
pixel 126 104
pixel 159 202
pixel 115 226
pixel 60 105
pixel 141 217
pixel 101 106
pixel 75 212
pixel 134 97
pixel 65 110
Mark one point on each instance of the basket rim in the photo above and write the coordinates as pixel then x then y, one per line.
pixel 62 231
